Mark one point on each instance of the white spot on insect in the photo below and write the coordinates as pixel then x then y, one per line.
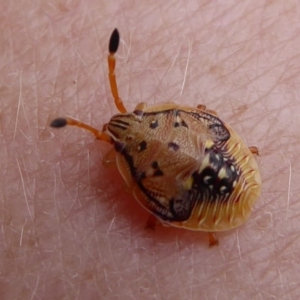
pixel 223 189
pixel 234 183
pixel 206 179
pixel 222 173
pixel 232 168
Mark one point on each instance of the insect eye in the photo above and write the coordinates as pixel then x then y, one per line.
pixel 119 146
pixel 138 112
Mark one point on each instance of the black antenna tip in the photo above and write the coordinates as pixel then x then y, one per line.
pixel 59 122
pixel 114 41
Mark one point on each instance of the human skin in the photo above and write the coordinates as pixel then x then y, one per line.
pixel 69 227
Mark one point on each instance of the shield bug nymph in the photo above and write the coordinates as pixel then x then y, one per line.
pixel 184 165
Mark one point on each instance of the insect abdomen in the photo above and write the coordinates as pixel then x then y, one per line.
pixel 228 184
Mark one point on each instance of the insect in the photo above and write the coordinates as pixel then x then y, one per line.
pixel 184 165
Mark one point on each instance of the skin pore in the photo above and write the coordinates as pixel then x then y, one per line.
pixel 69 227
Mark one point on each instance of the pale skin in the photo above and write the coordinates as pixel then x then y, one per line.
pixel 69 227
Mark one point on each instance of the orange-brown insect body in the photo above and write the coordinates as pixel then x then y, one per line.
pixel 186 166
pixel 183 164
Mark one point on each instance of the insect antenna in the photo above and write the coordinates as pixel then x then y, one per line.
pixel 61 122
pixel 112 48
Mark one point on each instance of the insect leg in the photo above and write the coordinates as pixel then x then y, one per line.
pixel 203 107
pixel 113 47
pixel 61 122
pixel 254 150
pixel 213 241
pixel 151 222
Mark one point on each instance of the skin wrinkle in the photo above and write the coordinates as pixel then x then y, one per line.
pixel 24 189
pixel 244 64
pixel 186 68
pixel 19 104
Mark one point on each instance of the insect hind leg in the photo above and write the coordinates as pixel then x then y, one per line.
pixel 254 150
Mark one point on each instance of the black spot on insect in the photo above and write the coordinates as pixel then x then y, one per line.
pixel 119 146
pixel 181 208
pixel 142 146
pixel 208 180
pixel 178 124
pixel 129 138
pixel 207 177
pixel 225 184
pixel 155 165
pixel 218 178
pixel 154 124
pixel 184 124
pixel 174 146
pixel 216 159
pixel 225 189
pixel 158 172
pixel 140 176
